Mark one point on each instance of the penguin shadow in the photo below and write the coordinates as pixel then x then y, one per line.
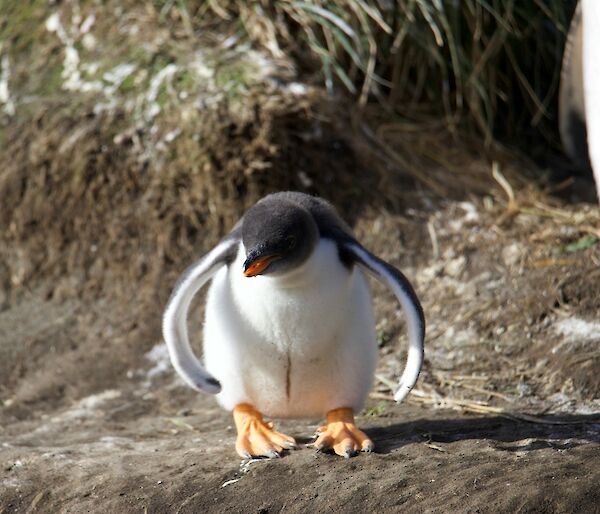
pixel 558 432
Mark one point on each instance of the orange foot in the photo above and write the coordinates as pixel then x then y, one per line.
pixel 256 438
pixel 342 435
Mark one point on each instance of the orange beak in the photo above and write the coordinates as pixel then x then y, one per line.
pixel 259 265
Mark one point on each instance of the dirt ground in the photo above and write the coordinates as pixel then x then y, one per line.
pixel 512 331
pixel 122 165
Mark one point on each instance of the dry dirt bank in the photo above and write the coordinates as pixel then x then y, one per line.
pixel 118 168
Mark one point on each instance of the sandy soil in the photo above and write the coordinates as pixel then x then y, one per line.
pixel 120 452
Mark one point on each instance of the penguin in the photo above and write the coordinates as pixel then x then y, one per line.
pixel 571 96
pixel 579 93
pixel 289 329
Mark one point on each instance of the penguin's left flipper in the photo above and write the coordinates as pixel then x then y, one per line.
pixel 401 287
pixel 257 438
pixel 341 435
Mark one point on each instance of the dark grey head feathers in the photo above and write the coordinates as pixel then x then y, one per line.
pixel 278 236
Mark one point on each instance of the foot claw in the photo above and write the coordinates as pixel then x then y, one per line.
pixel 367 446
pixel 324 442
pixel 320 430
pixel 349 452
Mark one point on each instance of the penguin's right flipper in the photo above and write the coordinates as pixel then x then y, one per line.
pixel 175 316
pixel 401 287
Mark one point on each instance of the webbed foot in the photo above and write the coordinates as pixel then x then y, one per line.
pixel 256 438
pixel 342 435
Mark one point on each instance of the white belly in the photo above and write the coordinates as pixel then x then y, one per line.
pixel 294 346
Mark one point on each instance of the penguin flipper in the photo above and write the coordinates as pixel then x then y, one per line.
pixel 403 290
pixel 175 316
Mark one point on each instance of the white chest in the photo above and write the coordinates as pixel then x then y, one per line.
pixel 291 346
pixel 299 311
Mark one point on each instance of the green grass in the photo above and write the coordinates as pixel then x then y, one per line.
pixel 491 65
pixel 22 24
pixel 128 85
pixel 375 411
pixel 581 244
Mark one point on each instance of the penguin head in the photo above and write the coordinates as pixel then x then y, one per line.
pixel 278 237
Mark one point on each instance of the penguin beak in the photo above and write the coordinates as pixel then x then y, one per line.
pixel 255 266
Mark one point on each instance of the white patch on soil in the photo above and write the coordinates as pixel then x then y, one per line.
pixel 471 213
pixel 87 24
pixel 71 74
pixel 11 482
pixel 578 329
pixel 297 88
pixel 590 408
pixel 116 76
pixel 53 24
pixel 578 334
pixel 512 253
pixel 454 349
pixel 5 98
pixel 87 407
pixel 470 216
pixel 159 355
pixel 199 67
pixel 112 441
pixel 163 75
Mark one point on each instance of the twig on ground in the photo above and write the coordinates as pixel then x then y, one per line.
pixel 434 241
pixel 386 381
pixel 229 482
pixel 181 424
pixel 438 401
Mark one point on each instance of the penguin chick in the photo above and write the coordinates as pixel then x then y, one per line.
pixel 289 328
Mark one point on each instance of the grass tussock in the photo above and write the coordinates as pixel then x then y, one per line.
pixel 492 65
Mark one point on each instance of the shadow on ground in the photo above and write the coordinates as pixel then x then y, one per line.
pixel 558 432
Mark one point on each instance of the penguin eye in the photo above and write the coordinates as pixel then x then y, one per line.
pixel 291 241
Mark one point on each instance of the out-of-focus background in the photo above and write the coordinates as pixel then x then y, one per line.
pixel 133 134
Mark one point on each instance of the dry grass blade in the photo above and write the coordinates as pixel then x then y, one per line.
pixel 486 392
pixel 436 447
pixel 435 248
pixel 476 407
pixel 505 185
pixel 374 14
pixel 324 13
pixel 386 381
pixel 181 424
pixel 479 408
pixel 391 155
